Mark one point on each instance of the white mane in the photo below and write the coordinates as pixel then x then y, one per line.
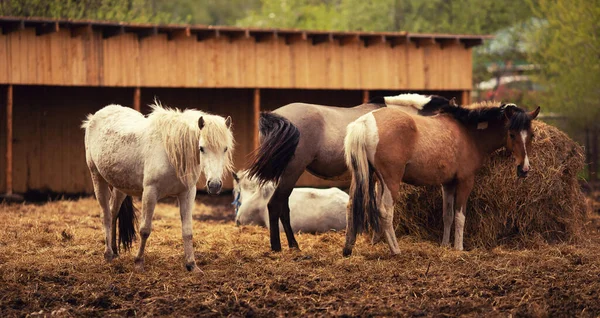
pixel 414 100
pixel 180 134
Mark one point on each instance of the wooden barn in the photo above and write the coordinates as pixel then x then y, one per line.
pixel 54 72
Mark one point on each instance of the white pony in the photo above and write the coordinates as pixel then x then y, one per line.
pixel 156 156
pixel 311 210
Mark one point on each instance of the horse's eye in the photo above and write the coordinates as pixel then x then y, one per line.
pixel 202 149
pixel 532 136
pixel 512 136
pixel 225 149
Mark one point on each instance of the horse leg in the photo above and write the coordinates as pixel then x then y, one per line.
pixel 279 209
pixel 463 189
pixel 378 236
pixel 116 200
pixel 387 217
pixel 186 205
pixel 448 193
pixel 103 196
pixel 149 197
pixel 350 230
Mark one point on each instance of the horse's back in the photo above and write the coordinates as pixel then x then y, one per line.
pixel 318 210
pixel 322 130
pixel 114 146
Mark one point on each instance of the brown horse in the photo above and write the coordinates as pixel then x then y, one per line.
pixel 388 146
pixel 298 137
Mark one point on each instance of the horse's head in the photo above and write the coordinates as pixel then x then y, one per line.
pixel 215 148
pixel 520 135
pixel 250 199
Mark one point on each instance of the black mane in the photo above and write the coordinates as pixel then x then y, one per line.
pixel 473 116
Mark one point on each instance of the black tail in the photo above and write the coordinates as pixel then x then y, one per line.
pixel 127 223
pixel 364 205
pixel 279 139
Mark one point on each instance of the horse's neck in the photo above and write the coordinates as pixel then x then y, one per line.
pixel 491 138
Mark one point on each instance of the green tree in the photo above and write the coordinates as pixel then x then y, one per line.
pixel 567 48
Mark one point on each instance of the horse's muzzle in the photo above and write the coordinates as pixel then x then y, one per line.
pixel 520 172
pixel 214 187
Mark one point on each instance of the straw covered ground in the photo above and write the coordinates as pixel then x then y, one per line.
pixel 51 263
pixel 547 206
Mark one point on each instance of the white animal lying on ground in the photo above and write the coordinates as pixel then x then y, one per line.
pixel 311 210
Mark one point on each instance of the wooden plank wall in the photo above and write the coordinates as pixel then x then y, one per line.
pixel 48 148
pixel 3 138
pixel 127 61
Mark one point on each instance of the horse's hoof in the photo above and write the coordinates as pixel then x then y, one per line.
pixel 109 256
pixel 347 251
pixel 192 268
pixel 276 249
pixel 139 265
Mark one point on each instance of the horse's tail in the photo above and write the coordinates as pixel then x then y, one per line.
pixel 86 123
pixel 365 213
pixel 127 223
pixel 279 140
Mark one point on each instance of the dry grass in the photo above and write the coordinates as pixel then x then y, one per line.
pixel 547 206
pixel 51 261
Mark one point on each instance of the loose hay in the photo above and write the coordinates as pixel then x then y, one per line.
pixel 548 205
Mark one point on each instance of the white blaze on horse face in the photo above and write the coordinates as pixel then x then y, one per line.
pixel 213 161
pixel 526 166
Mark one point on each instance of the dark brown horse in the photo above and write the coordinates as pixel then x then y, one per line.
pixel 299 137
pixel 387 147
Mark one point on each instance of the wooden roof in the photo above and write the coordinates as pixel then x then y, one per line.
pixel 202 32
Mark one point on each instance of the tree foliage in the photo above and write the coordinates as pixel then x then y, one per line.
pixel 567 48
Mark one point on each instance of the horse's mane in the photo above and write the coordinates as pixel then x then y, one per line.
pixel 180 134
pixel 487 111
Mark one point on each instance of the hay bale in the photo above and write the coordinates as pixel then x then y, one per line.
pixel 502 208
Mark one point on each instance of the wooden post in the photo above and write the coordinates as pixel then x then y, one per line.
pixel 136 99
pixel 256 113
pixel 9 139
pixel 366 97
pixel 465 98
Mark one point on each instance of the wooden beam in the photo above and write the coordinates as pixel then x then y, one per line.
pixel 444 43
pixel 295 37
pixel 346 39
pixel 178 34
pixel 396 41
pixel 9 139
pixel 109 32
pixel 46 28
pixel 469 43
pixel 370 40
pixel 465 98
pixel 137 94
pixel 366 96
pixel 10 27
pixel 321 38
pixel 81 30
pixel 263 37
pixel 236 35
pixel 420 42
pixel 256 117
pixel 144 33
pixel 207 35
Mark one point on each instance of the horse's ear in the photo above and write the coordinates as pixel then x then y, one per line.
pixel 201 122
pixel 235 176
pixel 535 113
pixel 228 121
pixel 509 110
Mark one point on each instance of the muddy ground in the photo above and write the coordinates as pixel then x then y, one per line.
pixel 51 264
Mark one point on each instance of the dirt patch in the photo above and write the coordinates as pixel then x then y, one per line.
pixel 51 262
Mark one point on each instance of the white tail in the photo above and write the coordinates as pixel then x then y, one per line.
pixel 415 100
pixel 362 190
